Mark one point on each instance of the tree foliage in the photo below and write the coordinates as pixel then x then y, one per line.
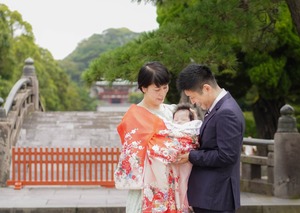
pixel 17 41
pixel 251 46
pixel 294 7
pixel 92 47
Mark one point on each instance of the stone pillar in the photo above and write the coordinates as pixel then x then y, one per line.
pixel 2 110
pixel 29 72
pixel 4 147
pixel 287 156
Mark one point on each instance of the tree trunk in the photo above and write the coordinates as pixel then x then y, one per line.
pixel 266 114
pixel 294 7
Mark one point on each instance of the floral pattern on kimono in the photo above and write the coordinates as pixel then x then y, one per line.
pixel 146 161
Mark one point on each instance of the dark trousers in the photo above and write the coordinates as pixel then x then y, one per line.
pixel 199 210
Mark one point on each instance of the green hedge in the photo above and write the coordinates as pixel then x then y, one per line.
pixel 250 125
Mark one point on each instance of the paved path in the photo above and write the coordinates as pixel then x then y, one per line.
pixel 70 129
pixel 69 196
pixel 61 197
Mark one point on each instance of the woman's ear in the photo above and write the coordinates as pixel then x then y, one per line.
pixel 144 89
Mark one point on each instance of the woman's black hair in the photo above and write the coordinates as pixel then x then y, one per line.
pixel 153 73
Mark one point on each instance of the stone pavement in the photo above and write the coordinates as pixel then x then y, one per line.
pixel 105 200
pixel 62 199
pixel 70 129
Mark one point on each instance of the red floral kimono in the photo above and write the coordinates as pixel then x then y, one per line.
pixel 146 162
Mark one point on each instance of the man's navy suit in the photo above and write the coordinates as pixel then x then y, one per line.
pixel 214 182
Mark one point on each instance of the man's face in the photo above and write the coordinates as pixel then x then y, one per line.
pixel 200 98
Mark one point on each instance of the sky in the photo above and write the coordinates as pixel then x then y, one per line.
pixel 59 25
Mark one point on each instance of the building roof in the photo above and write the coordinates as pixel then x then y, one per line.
pixel 117 82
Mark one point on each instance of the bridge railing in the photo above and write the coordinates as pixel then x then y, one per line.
pixel 22 99
pixel 257 172
pixel 63 166
pixel 277 172
pixel 95 166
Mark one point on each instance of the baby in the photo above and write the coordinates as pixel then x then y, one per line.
pixel 183 113
pixel 184 130
pixel 185 119
pixel 185 127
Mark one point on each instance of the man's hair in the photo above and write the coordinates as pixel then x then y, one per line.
pixel 194 76
pixel 153 73
pixel 185 106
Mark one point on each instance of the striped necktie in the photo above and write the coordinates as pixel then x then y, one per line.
pixel 206 114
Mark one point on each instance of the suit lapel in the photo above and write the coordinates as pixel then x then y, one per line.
pixel 213 112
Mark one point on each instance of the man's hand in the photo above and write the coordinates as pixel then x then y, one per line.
pixel 182 158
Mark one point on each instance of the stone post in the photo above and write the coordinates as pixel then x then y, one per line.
pixel 287 156
pixel 2 110
pixel 29 72
pixel 4 149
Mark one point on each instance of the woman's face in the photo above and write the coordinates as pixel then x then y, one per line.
pixel 154 95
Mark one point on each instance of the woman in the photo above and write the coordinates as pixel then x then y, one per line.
pixel 144 166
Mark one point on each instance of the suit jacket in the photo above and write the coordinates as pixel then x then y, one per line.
pixel 214 182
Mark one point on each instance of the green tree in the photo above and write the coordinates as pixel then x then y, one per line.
pixel 8 19
pixel 252 47
pixel 294 7
pixel 89 49
pixel 17 43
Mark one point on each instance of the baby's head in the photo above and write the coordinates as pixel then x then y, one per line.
pixel 183 113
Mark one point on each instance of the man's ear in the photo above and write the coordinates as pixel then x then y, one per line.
pixel 206 88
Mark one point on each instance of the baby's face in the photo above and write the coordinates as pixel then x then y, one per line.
pixel 181 116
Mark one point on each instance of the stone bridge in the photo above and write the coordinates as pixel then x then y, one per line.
pixel 25 123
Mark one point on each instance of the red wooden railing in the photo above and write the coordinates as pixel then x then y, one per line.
pixel 63 166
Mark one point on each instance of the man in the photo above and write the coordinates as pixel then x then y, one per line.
pixel 214 182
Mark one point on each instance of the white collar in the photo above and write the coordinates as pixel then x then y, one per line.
pixel 221 95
